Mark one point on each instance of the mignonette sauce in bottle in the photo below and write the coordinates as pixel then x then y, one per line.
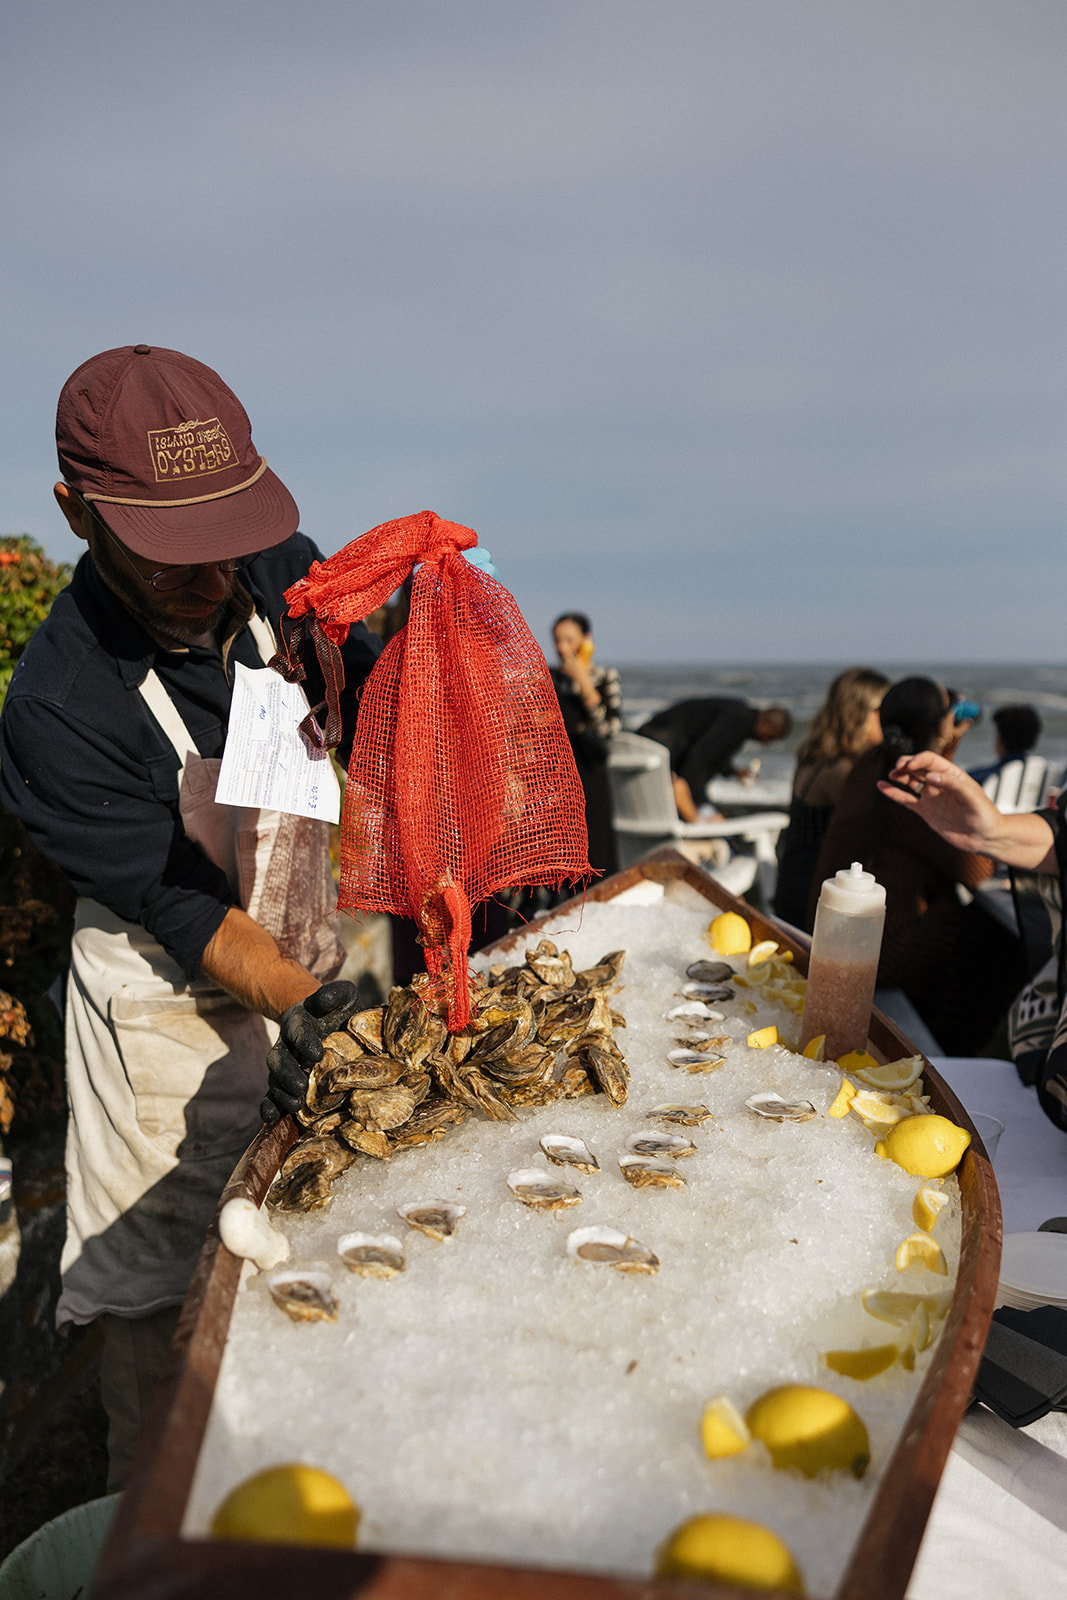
pixel 843 967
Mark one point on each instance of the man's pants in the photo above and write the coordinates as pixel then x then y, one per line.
pixel 134 1354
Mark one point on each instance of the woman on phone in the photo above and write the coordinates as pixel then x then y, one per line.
pixel 591 702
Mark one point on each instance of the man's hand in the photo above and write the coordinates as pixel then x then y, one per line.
pixel 957 808
pixel 302 1030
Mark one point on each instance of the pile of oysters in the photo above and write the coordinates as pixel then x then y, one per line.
pixel 395 1077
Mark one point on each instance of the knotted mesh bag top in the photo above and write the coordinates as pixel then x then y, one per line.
pixel 461 781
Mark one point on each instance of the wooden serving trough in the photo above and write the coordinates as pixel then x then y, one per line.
pixel 145 1555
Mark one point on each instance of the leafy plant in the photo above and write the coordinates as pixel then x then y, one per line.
pixel 29 583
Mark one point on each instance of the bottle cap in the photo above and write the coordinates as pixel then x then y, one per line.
pixel 853 891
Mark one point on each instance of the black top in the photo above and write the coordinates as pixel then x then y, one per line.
pixel 87 768
pixel 703 736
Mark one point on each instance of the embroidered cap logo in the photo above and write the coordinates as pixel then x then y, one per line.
pixel 190 450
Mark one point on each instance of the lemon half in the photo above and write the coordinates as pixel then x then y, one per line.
pixel 810 1430
pixel 762 1037
pixel 289 1504
pixel 729 1550
pixel 730 934
pixel 927 1146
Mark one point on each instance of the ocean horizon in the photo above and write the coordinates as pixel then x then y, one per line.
pixel 801 688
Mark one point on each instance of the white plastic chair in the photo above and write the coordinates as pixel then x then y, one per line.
pixel 1019 785
pixel 646 817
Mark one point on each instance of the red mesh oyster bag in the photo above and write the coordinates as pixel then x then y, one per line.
pixel 461 781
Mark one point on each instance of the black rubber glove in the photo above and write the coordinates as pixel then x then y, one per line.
pixel 299 1046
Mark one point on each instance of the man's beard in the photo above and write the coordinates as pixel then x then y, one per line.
pixel 167 617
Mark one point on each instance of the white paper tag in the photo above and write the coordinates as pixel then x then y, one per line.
pixel 268 763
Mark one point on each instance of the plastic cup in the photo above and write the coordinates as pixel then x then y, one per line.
pixel 989 1131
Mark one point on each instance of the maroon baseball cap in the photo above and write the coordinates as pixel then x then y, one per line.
pixel 163 449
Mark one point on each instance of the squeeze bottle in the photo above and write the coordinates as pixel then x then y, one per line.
pixel 843 967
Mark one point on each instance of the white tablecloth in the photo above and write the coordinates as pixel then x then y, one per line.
pixel 998 1529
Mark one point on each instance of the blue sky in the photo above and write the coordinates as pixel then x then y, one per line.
pixel 739 325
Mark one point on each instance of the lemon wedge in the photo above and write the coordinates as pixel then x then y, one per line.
pixel 927 1206
pixel 723 1428
pixel 845 1095
pixel 896 1305
pixel 897 1075
pixel 815 1049
pixel 862 1364
pixel 878 1110
pixel 926 1146
pixel 730 934
pixel 289 1504
pixel 810 1430
pixel 762 1037
pixel 761 952
pixel 919 1250
pixel 856 1061
pixel 729 1550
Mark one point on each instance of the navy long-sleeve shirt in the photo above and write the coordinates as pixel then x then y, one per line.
pixel 87 768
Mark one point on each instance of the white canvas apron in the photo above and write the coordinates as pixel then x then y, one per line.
pixel 165 1076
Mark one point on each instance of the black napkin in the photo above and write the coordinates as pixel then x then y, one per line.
pixel 1023 1373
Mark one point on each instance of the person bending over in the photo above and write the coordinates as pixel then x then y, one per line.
pixel 703 736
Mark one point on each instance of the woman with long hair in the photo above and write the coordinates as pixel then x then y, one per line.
pixel 845 725
pixel 591 702
pixel 957 965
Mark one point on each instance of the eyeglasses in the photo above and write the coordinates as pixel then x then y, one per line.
pixel 168 579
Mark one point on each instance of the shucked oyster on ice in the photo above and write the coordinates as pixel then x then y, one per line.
pixel 566 1151
pixel 541 1190
pixel 672 1145
pixel 372 1255
pixel 694 1011
pixel 698 1060
pixel 435 1218
pixel 608 1247
pixel 305 1296
pixel 687 1116
pixel 644 1173
pixel 775 1109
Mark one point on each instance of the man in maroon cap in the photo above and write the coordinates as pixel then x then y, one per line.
pixel 199 926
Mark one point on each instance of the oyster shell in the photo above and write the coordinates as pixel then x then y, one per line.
pixel 608 1247
pixel 366 1026
pixel 708 991
pixel 363 1072
pixel 661 1144
pixel 605 973
pixel 382 1108
pixel 541 1190
pixel 709 971
pixel 304 1178
pixel 372 1255
pixel 608 1070
pixel 775 1109
pixel 687 1116
pixel 437 1219
pixel 695 1011
pixel 368 1141
pixel 693 1061
pixel 551 965
pixel 567 1151
pixel 305 1296
pixel 430 1121
pixel 644 1173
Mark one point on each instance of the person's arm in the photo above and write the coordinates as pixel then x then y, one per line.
pixel 957 808
pixel 244 959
